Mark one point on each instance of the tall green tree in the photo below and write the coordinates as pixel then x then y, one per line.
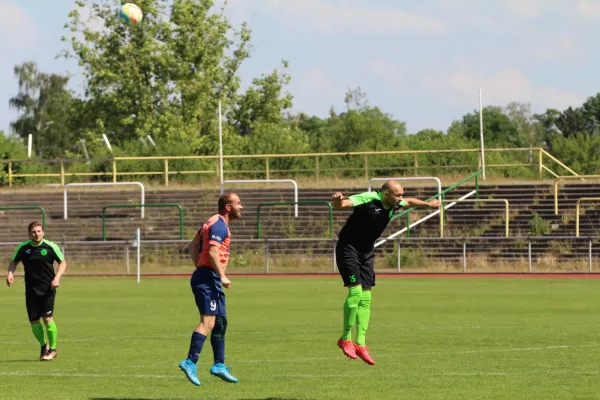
pixel 165 77
pixel 44 105
pixel 498 128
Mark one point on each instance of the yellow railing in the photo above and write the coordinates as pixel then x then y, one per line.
pixel 578 209
pixel 560 178
pixel 365 165
pixel 506 212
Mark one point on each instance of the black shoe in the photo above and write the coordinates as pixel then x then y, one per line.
pixel 44 351
pixel 50 355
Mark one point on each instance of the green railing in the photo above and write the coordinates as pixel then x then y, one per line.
pixel 138 206
pixel 28 208
pixel 287 203
pixel 406 213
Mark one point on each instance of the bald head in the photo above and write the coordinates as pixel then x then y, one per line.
pixel 391 185
pixel 392 193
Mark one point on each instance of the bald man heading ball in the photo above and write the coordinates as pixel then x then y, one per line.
pixel 355 253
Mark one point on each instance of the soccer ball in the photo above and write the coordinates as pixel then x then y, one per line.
pixel 131 14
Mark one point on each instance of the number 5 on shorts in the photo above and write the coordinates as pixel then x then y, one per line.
pixel 352 278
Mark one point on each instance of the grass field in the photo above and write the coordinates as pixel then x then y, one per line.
pixel 432 338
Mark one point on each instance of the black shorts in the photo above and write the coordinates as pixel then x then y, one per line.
pixel 39 306
pixel 355 266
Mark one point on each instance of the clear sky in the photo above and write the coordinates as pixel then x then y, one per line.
pixel 423 61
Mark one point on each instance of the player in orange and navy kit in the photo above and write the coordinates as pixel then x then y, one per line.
pixel 210 252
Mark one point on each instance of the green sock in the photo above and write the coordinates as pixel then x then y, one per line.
pixel 38 331
pixel 52 333
pixel 362 317
pixel 350 308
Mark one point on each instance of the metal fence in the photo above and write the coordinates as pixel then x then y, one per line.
pixel 556 254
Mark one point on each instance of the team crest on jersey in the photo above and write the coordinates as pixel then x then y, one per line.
pixel 44 252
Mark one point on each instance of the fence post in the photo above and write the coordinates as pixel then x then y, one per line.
pixel 127 258
pixel 334 256
pixel 267 256
pixel 366 167
pixel 114 170
pixel 529 256
pixel 62 173
pixel 398 258
pixel 541 163
pixel 267 168
pixel 416 163
pixel 317 167
pixel 166 172
pixel 590 254
pixel 465 257
pixel 9 173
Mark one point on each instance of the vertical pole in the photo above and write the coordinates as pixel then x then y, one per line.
pixel 267 168
pixel 481 133
pixel 398 258
pixel 127 258
pixel 9 173
pixel 408 224
pixel 139 245
pixel 62 173
pixel 366 167
pixel 464 257
pixel 529 256
pixel 540 163
pixel 166 172
pixel 114 170
pixel 416 163
pixel 267 256
pixel 317 168
pixel 334 256
pixel 220 145
pixel 590 255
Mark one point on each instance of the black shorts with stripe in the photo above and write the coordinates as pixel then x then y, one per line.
pixel 355 265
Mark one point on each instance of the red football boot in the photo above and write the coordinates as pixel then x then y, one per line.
pixel 363 353
pixel 347 347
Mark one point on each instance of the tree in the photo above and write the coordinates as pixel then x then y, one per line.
pixel 528 128
pixel 263 102
pixel 44 104
pixel 498 128
pixel 166 76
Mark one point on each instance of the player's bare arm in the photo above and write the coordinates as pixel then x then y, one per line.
pixel 62 267
pixel 12 267
pixel 194 249
pixel 215 262
pixel 413 202
pixel 339 201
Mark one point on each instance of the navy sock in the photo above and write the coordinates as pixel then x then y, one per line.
pixel 196 346
pixel 218 346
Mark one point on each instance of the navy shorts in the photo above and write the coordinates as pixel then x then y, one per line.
pixel 208 292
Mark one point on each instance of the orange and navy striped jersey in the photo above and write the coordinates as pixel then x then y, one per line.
pixel 214 232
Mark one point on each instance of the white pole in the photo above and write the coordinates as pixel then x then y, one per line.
pixel 29 140
pixel 220 145
pixel 138 254
pixel 481 134
pixel 107 142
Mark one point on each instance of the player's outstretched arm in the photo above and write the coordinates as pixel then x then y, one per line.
pixel 12 267
pixel 413 202
pixel 338 201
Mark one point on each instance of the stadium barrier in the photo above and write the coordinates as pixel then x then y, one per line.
pixel 266 256
pixel 367 164
pixel 42 209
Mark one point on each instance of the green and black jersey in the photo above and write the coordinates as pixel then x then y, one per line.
pixel 368 220
pixel 39 264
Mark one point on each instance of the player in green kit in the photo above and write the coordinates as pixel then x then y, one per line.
pixel 38 256
pixel 355 254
